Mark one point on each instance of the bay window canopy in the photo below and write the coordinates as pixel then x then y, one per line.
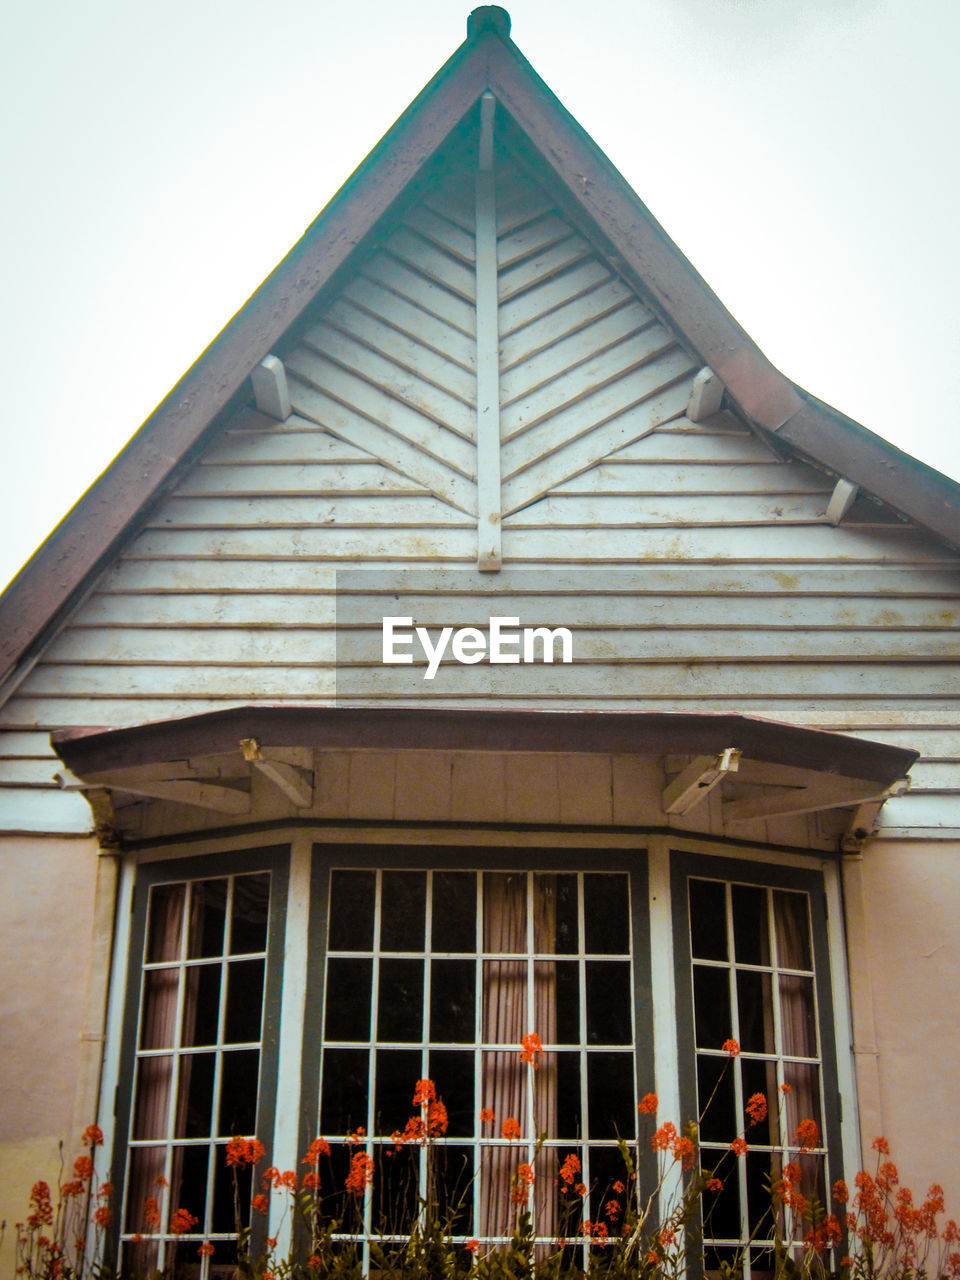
pixel 760 768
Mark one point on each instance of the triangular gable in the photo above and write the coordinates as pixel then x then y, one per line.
pixel 588 193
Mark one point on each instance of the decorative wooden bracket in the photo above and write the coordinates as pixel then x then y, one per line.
pixel 796 791
pixel 270 388
pixel 864 821
pixel 698 779
pixel 295 780
pixel 706 396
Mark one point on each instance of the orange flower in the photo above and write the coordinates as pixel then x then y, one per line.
pixel 260 1203
pixel 103 1216
pixel 487 1116
pixel 808 1134
pixel 74 1188
pixel 471 1246
pixel 360 1175
pixel 83 1167
pixel 182 1222
pixel 739 1146
pixel 425 1092
pixel 43 1208
pixel 619 1188
pixel 684 1151
pixel 648 1104
pixel 525 1171
pixel 841 1192
pixel 664 1137
pixel 436 1119
pixel 311 1181
pixel 206 1250
pixel 314 1262
pixel 731 1047
pixel 511 1129
pixel 714 1184
pixel 569 1170
pixel 106 1190
pixel 881 1145
pixel 151 1214
pixel 357 1136
pixel 243 1151
pixel 92 1136
pixel 532 1049
pixel 318 1147
pixel 580 1190
pixel 611 1209
pixel 786 1088
pixel 160 1181
pixel 756 1108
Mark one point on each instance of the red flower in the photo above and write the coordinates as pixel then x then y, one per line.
pixel 532 1049
pixel 43 1209
pixel 151 1214
pixel 103 1216
pixel 425 1092
pixel 206 1250
pixel 684 1151
pixel 357 1136
pixel 318 1147
pixel 756 1108
pixel 83 1167
pixel 311 1181
pixel 648 1104
pixel 106 1190
pixel 841 1192
pixel 243 1151
pixel 731 1047
pixel 92 1136
pixel 436 1119
pixel 487 1116
pixel 786 1088
pixel 260 1203
pixel 808 1134
pixel 511 1129
pixel 739 1146
pixel 182 1222
pixel 361 1173
pixel 569 1170
pixel 72 1188
pixel 664 1137
pixel 881 1145
pixel 611 1209
pixel 471 1246
pixel 714 1184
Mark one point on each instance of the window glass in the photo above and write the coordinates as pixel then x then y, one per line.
pixel 753 983
pixel 197 1062
pixel 555 958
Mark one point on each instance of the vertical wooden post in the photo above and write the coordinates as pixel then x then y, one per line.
pixel 488 351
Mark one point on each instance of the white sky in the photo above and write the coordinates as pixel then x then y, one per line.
pixel 162 156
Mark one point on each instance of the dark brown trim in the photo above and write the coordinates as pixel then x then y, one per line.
pixel 648 733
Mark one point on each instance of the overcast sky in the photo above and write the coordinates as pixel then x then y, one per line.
pixel 160 158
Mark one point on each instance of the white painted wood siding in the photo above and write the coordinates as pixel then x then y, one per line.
pixel 735 593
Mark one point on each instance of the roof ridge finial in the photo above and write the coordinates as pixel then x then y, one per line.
pixel 489 17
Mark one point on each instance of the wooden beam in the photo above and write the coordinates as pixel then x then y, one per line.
pixel 864 821
pixel 698 779
pixel 270 389
pixel 203 795
pixel 489 556
pixel 829 793
pixel 295 781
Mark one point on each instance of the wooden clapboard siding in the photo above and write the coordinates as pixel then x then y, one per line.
pixel 693 561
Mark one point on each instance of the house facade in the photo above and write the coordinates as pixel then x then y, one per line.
pixel 482 639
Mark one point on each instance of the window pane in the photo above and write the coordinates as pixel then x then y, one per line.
pixel 343 1105
pixel 196 1095
pixel 152 1110
pixel 208 907
pixel 201 1004
pixel 566 975
pixel 398 1071
pixel 452 1071
pixel 751 931
pixel 165 930
pixel 188 1183
pixel 400 1005
pixel 755 1007
pixel 556 929
pixel 351 910
pixel 347 999
pixel 453 1010
pixel 610 1092
pixel 504 1001
pixel 158 1025
pixel 711 1004
pixel 797 1016
pixel 792 921
pixel 606 915
pixel 504 913
pixel 248 926
pixel 609 1000
pixel 716 1099
pixel 454 917
pixel 404 910
pixel 244 1001
pixel 708 920
pixel 238 1092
